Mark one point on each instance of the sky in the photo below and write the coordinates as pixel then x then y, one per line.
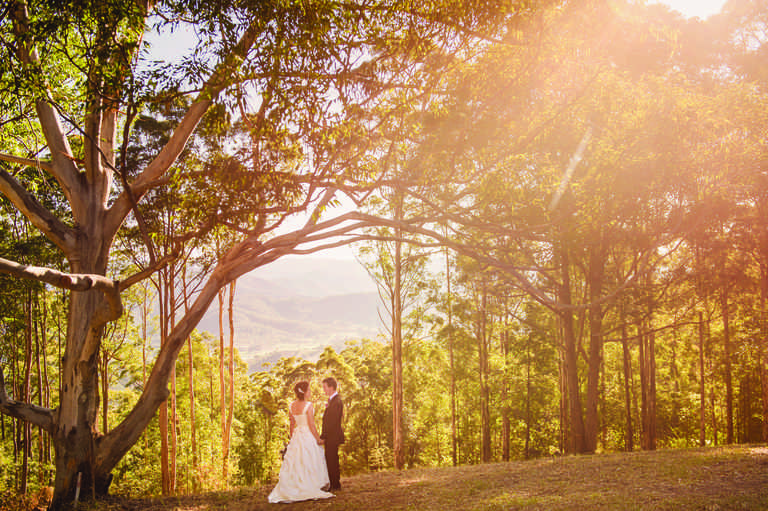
pixel 690 8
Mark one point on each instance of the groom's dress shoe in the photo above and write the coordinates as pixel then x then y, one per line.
pixel 335 488
pixel 326 487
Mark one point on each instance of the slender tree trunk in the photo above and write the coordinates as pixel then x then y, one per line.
pixel 763 347
pixel 577 441
pixel 231 409
pixel 15 423
pixel 145 309
pixel 505 419
pixel 397 344
pixel 104 391
pixel 628 442
pixel 702 390
pixel 27 394
pixel 651 353
pixel 163 412
pixel 485 406
pixel 528 417
pixel 194 470
pixel 40 387
pixel 222 387
pixel 173 456
pixel 451 359
pixel 728 369
pixel 648 386
pixel 596 273
pixel 46 380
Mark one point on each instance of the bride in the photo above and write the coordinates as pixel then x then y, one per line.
pixel 303 472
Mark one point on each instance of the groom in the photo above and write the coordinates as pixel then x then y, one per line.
pixel 332 435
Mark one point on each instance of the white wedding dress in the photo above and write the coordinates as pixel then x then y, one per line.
pixel 303 471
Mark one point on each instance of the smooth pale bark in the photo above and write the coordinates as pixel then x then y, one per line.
pixel 231 404
pixel 397 344
pixel 162 418
pixel 222 388
pixel 190 375
pixel 27 392
pixel 172 396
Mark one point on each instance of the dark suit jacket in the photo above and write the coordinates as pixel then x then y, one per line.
pixel 332 432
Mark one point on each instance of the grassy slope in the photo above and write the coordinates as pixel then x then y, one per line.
pixel 734 477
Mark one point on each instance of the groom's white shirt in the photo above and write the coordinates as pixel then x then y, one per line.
pixel 332 396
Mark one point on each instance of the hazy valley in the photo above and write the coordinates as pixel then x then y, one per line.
pixel 297 306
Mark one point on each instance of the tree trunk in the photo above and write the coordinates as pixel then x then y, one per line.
pixel 577 441
pixel 194 471
pixel 27 394
pixel 762 361
pixel 76 426
pixel 222 387
pixel 172 472
pixel 452 367
pixel 40 388
pixel 485 406
pixel 591 422
pixel 628 442
pixel 104 391
pixel 528 417
pixel 647 357
pixel 231 408
pixel 728 369
pixel 702 390
pixel 46 380
pixel 163 413
pixel 397 346
pixel 651 353
pixel 505 409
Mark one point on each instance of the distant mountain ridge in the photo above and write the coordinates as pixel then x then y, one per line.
pixel 297 306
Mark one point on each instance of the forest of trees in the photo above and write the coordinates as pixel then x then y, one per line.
pixel 564 205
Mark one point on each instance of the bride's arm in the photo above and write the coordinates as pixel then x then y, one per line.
pixel 311 421
pixel 293 424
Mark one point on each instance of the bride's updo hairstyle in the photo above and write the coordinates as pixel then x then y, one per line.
pixel 300 389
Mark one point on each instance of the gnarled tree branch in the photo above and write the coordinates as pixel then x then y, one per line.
pixel 71 281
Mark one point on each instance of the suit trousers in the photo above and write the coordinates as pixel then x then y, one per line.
pixel 332 461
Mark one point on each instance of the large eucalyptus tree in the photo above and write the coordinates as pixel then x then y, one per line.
pixel 308 80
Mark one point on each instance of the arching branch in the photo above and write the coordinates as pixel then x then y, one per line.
pixel 54 229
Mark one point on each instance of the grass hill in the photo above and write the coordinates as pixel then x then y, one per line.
pixel 724 478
